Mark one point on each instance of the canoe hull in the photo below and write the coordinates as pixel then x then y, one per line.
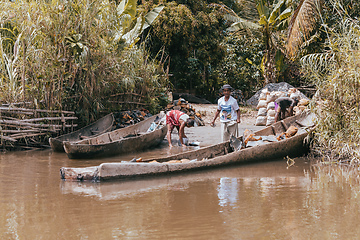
pixel 80 151
pixel 102 125
pixel 293 147
pixel 56 145
pixel 139 141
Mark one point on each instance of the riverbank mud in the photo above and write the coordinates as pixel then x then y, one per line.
pixel 208 135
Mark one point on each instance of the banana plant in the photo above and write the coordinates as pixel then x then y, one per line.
pixel 131 25
pixel 272 20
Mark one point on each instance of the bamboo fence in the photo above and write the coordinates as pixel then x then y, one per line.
pixel 25 127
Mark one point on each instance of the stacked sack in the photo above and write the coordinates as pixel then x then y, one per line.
pixel 266 105
pixel 301 106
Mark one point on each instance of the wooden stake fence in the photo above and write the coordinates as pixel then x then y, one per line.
pixel 28 128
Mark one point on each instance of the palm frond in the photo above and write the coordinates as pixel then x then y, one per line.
pixel 151 16
pixel 302 24
pixel 232 18
pixel 248 10
pixel 239 23
pixel 320 63
pixel 242 24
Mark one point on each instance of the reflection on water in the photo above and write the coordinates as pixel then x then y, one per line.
pixel 227 191
pixel 254 201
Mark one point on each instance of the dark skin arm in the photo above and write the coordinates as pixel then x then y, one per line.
pixel 238 116
pixel 291 112
pixel 216 115
pixel 277 116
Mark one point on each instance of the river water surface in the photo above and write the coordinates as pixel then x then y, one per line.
pixel 268 200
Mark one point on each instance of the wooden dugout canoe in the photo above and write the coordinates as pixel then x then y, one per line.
pixel 124 140
pixel 98 127
pixel 115 190
pixel 213 156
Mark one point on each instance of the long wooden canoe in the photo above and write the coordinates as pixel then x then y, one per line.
pixel 116 190
pixel 212 156
pixel 98 127
pixel 133 138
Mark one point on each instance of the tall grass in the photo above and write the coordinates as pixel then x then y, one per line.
pixel 65 55
pixel 335 72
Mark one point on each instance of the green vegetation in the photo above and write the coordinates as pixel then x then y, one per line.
pixel 95 57
pixel 272 21
pixel 76 55
pixel 208 43
pixel 335 73
pixel 240 67
pixel 191 35
pixel 85 56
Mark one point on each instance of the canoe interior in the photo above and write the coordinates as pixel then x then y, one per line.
pixel 100 126
pixel 119 134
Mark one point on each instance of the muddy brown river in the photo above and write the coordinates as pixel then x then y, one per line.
pixel 267 200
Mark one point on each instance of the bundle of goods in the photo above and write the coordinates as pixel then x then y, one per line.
pixel 301 106
pixel 184 106
pixel 126 118
pixel 266 105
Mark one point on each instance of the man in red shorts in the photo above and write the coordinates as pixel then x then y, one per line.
pixel 180 120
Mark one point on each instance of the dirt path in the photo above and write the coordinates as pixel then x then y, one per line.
pixel 207 112
pixel 208 135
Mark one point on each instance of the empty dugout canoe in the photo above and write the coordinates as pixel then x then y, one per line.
pixel 98 127
pixel 133 138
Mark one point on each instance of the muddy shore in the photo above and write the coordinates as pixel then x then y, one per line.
pixel 208 135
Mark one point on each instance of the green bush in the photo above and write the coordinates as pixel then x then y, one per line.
pixel 67 55
pixel 335 74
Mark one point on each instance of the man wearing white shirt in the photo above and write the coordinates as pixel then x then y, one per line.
pixel 229 112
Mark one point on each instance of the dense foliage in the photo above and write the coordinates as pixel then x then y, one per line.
pixel 191 35
pixel 202 54
pixel 68 55
pixel 335 73
pixel 241 66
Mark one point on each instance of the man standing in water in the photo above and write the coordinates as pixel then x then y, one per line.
pixel 229 112
pixel 180 120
